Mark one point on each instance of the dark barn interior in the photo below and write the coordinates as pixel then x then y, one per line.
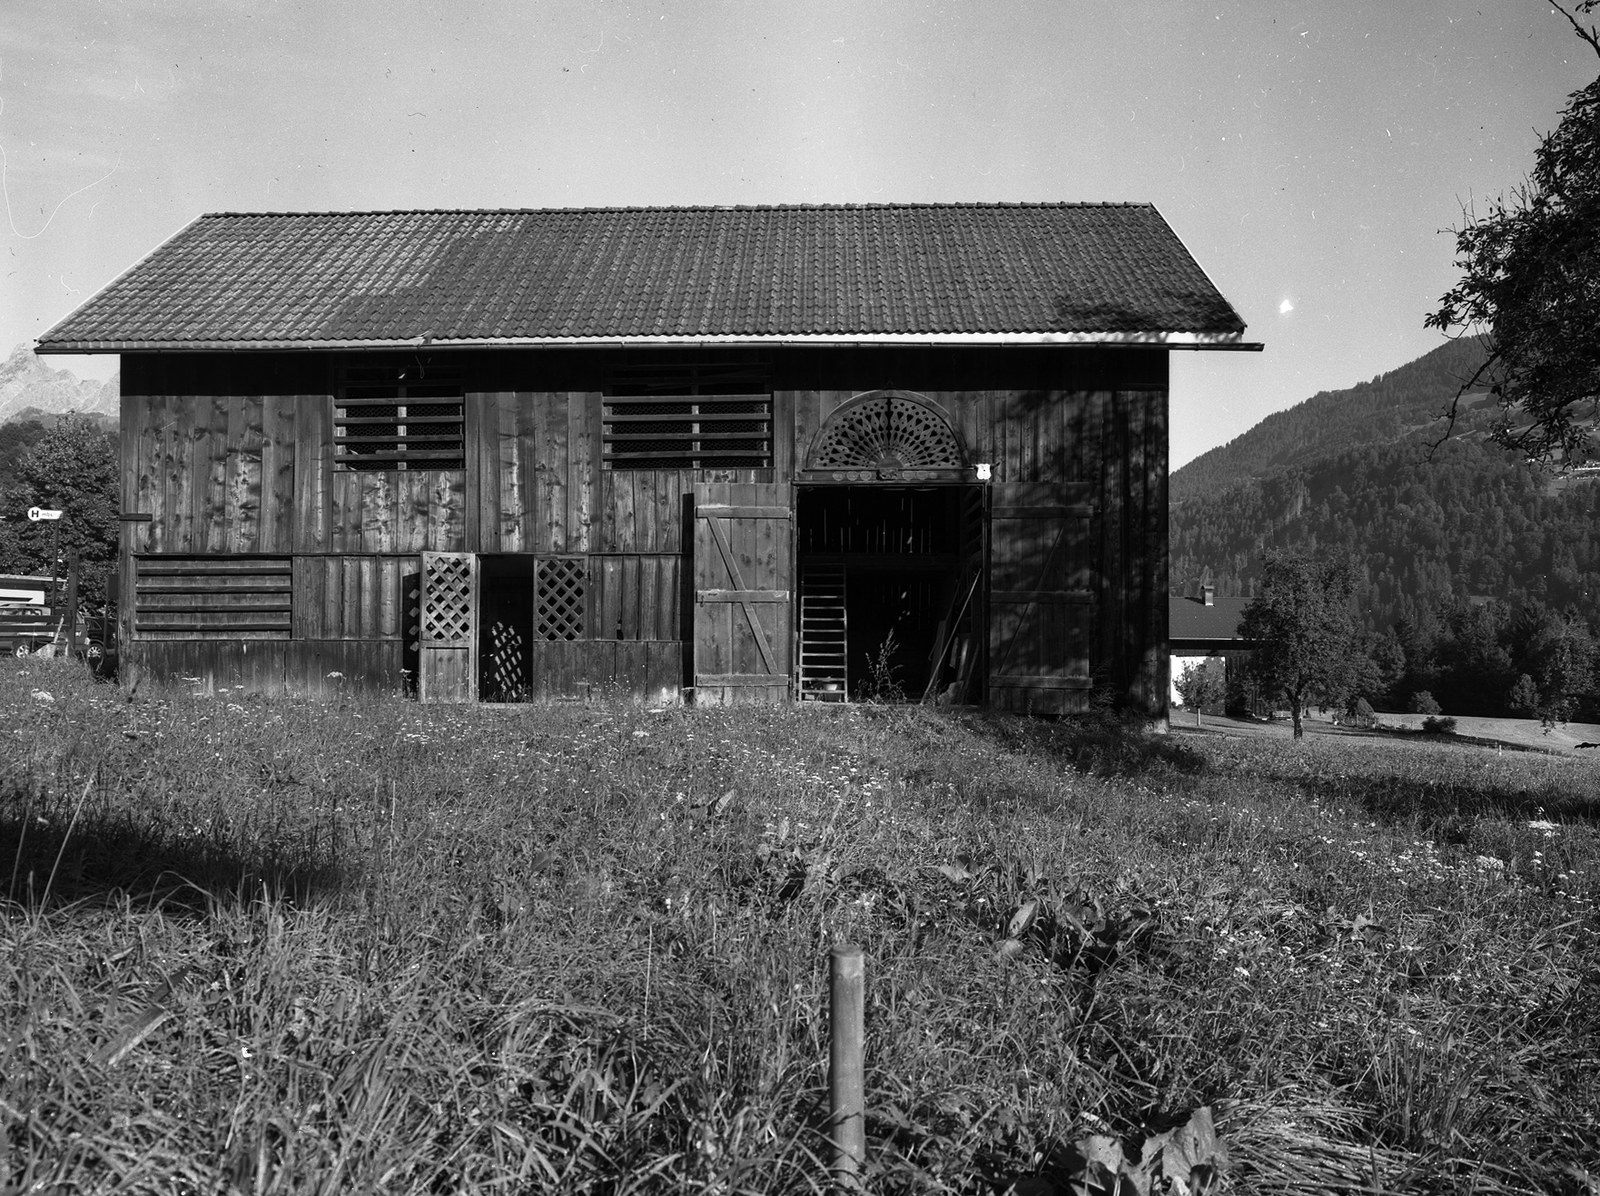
pixel 888 588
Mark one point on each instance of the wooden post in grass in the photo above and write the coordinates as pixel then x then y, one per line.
pixel 846 1101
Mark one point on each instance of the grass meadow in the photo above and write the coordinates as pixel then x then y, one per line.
pixel 363 946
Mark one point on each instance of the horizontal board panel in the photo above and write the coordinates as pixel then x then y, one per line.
pixel 735 511
pixel 673 418
pixel 687 431
pixel 309 667
pixel 151 604
pixel 212 597
pixel 210 566
pixel 193 584
pixel 739 680
pixel 741 595
pixel 1039 681
pixel 386 419
pixel 1026 596
pixel 644 669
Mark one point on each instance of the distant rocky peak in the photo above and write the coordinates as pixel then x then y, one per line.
pixel 28 383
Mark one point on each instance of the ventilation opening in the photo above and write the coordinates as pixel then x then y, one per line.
pixel 890 590
pixel 398 418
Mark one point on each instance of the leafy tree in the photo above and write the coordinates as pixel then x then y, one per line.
pixel 1202 683
pixel 1474 664
pixel 1423 702
pixel 1303 621
pixel 15 439
pixel 1524 696
pixel 1528 270
pixel 73 469
pixel 1386 656
pixel 1561 653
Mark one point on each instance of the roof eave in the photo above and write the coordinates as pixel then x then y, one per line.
pixel 1158 340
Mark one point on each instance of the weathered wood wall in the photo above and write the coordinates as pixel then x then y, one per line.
pixel 230 454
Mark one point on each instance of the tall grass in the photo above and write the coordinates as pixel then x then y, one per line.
pixel 362 945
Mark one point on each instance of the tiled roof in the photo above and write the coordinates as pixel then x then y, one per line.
pixel 1094 272
pixel 1191 622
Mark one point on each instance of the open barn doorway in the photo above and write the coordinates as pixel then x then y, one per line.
pixel 890 581
pixel 535 627
pixel 505 628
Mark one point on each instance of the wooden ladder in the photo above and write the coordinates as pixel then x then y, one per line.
pixel 824 639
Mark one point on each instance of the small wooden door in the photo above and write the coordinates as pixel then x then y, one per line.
pixel 1041 596
pixel 447 646
pixel 743 549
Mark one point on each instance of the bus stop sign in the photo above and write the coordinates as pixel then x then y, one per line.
pixel 36 514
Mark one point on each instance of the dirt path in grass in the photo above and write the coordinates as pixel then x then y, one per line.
pixel 1520 733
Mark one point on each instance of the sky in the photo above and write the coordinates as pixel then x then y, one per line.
pixel 1313 156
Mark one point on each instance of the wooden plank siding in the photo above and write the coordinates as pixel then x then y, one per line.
pixel 301 668
pixel 356 597
pixel 650 669
pixel 636 596
pixel 231 455
pixel 1041 596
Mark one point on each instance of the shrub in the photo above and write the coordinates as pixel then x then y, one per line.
pixel 1439 726
pixel 1359 713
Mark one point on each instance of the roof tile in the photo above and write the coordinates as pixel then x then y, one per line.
pixel 527 276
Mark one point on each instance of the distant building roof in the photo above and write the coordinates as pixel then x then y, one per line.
pixel 983 273
pixel 1194 625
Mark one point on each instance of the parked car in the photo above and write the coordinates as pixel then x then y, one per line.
pixel 99 635
pixel 29 629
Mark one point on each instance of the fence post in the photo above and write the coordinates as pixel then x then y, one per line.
pixel 846 1084
pixel 72 602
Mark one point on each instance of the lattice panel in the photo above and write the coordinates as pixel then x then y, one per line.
pixel 412 591
pixel 558 604
pixel 447 607
pixel 887 433
pixel 506 678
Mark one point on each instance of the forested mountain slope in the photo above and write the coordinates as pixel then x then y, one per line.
pixel 1390 406
pixel 1351 471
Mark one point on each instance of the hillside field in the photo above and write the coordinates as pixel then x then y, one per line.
pixel 286 947
pixel 1496 734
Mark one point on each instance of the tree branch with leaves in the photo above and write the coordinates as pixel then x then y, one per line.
pixel 1530 285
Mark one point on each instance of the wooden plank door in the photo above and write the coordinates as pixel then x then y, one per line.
pixel 447 648
pixel 743 553
pixel 1041 596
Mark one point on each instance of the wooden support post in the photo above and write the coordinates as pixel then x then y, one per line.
pixel 847 1120
pixel 72 601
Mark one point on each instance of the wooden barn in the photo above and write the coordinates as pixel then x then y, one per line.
pixel 735 454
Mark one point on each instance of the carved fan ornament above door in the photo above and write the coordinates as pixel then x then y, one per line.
pixel 888 436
